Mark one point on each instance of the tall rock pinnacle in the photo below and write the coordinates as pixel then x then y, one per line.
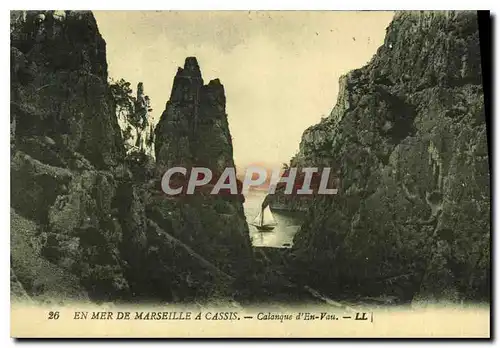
pixel 193 129
pixel 187 82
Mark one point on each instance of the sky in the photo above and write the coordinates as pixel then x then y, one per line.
pixel 280 69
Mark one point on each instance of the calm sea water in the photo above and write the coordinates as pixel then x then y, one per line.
pixel 282 235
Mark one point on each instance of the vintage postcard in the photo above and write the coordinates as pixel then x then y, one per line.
pixel 249 174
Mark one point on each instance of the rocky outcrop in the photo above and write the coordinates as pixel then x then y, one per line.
pixel 65 144
pixel 59 84
pixel 88 221
pixel 193 131
pixel 144 137
pixel 408 137
pixel 193 128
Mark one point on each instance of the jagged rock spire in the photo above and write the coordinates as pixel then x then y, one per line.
pixel 194 122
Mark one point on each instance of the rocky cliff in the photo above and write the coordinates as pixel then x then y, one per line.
pixel 88 221
pixel 193 132
pixel 65 143
pixel 408 138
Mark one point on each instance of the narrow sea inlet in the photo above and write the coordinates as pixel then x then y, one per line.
pixel 288 223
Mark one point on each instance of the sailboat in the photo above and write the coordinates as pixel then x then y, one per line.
pixel 265 220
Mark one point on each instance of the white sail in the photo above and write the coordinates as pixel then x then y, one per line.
pixel 268 217
pixel 265 218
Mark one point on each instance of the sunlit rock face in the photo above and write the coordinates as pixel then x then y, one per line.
pixel 408 138
pixel 136 124
pixel 144 139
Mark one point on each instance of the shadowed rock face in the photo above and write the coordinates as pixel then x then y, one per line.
pixel 408 137
pixel 66 151
pixel 88 212
pixel 193 131
pixel 59 84
pixel 193 128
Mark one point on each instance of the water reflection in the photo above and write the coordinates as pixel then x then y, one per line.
pixel 282 235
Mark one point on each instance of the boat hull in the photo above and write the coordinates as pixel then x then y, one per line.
pixel 264 228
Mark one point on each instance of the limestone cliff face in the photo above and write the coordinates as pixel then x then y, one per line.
pixel 408 137
pixel 87 221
